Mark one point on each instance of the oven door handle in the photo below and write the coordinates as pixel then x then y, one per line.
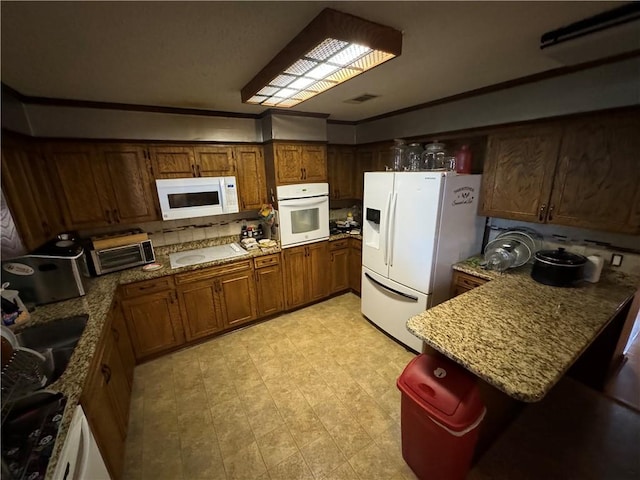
pixel 303 202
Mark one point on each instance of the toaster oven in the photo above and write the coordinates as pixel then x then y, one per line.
pixel 107 260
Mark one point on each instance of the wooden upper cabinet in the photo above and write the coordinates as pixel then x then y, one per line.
pixel 29 194
pixel 583 172
pixel 598 178
pixel 134 196
pixel 314 163
pixel 288 159
pixel 341 170
pixel 83 184
pixel 172 161
pixel 251 182
pixel 519 172
pixel 214 161
pixel 300 163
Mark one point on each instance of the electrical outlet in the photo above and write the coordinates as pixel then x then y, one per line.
pixel 616 260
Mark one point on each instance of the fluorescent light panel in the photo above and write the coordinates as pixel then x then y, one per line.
pixel 327 63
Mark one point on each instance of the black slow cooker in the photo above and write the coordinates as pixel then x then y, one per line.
pixel 558 268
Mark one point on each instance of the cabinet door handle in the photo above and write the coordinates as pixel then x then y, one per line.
pixel 106 372
pixel 302 174
pixel 193 170
pixel 116 215
pixel 541 212
pixel 107 213
pixel 172 297
pixel 305 173
pixel 550 215
pixel 116 334
pixel 198 170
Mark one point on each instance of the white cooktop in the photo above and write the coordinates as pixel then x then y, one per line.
pixel 203 255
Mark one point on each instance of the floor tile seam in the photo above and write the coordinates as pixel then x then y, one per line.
pixel 219 443
pixel 344 457
pixel 368 444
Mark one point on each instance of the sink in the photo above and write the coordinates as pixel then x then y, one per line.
pixel 206 254
pixel 56 340
pixel 55 334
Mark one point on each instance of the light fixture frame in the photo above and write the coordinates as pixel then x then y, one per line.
pixel 332 24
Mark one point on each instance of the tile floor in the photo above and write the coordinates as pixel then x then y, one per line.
pixel 308 395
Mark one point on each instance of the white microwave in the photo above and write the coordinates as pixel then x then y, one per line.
pixel 197 197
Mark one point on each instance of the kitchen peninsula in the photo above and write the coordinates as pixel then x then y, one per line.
pixel 521 336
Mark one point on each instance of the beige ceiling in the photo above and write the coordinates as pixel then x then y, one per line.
pixel 200 54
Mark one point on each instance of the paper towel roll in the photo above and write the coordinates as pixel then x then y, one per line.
pixel 593 268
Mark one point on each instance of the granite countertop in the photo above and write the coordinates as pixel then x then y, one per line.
pixel 517 334
pixel 97 303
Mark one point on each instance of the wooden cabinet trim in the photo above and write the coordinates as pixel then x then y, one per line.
pixel 206 273
pixel 267 260
pixel 147 286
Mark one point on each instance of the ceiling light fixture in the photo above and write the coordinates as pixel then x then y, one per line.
pixel 333 48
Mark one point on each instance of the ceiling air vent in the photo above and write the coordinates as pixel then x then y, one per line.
pixel 362 98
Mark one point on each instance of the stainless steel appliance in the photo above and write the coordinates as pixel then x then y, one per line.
pixel 304 213
pixel 56 271
pixel 197 197
pixel 107 260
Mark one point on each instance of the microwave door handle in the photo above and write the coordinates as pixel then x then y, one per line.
pixel 116 248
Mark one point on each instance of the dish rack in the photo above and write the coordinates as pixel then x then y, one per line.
pixel 24 373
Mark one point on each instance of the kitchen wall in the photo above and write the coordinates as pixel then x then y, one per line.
pixel 582 241
pixel 608 86
pixel 187 230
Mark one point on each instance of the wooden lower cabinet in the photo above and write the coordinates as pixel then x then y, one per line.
pixel 306 273
pixel 105 401
pixel 237 297
pixel 269 287
pixel 121 338
pixel 154 323
pixel 463 282
pixel 216 299
pixel 355 265
pixel 339 260
pixel 200 315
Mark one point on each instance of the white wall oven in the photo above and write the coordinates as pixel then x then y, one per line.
pixel 304 213
pixel 197 197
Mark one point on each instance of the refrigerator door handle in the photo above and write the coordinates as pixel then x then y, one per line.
pixel 386 233
pixel 392 290
pixel 392 225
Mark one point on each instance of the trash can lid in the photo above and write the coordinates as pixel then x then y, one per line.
pixel 444 389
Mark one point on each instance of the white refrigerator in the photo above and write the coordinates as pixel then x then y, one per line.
pixel 416 225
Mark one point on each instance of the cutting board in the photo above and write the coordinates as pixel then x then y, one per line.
pixel 118 241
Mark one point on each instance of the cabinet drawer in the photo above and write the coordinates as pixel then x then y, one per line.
pixel 468 281
pixel 356 244
pixel 266 261
pixel 338 244
pixel 206 273
pixel 147 286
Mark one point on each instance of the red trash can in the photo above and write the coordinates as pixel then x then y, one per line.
pixel 441 410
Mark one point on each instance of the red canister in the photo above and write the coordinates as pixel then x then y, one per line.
pixel 463 159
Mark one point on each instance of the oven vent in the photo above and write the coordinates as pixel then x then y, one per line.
pixel 362 98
